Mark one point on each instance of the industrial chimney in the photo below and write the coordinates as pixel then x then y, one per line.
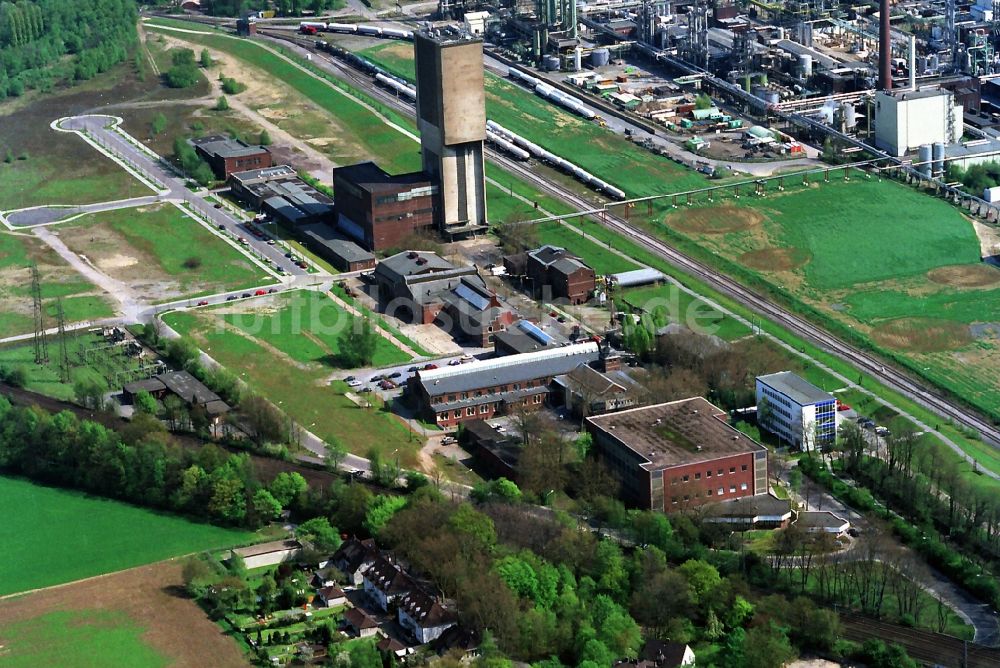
pixel 884 48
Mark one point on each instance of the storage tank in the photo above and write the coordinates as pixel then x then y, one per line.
pixel 551 63
pixel 758 91
pixel 937 155
pixel 805 65
pixel 577 59
pixel 850 115
pixel 772 96
pixel 600 57
pixel 924 158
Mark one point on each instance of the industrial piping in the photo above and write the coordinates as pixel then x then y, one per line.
pixel 884 48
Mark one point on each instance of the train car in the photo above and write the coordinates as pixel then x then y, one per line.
pixel 400 87
pixel 341 27
pixel 394 33
pixel 371 31
pixel 311 27
pixel 507 146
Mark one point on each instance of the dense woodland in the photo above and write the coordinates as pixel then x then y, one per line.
pixel 43 42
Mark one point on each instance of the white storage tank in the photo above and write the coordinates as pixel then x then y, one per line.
pixel 924 158
pixel 850 115
pixel 577 59
pixel 600 57
pixel 805 65
pixel 937 154
pixel 991 195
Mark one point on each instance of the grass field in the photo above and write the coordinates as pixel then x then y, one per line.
pixel 161 253
pixel 301 390
pixel 133 618
pixel 50 536
pixel 305 326
pixel 89 357
pixel 80 299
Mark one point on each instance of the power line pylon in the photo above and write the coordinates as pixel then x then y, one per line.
pixel 63 353
pixel 41 345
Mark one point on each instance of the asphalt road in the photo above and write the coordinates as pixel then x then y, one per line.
pixel 157 170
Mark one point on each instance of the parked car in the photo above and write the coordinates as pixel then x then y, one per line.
pixel 396 374
pixel 413 369
pixel 354 383
pixel 350 378
pixel 246 295
pixel 429 366
pixel 270 242
pixel 466 358
pixel 218 205
pixel 203 302
pixel 448 440
pixel 366 389
pixel 271 291
pixel 302 265
pixel 454 362
pixel 231 298
pixel 260 292
pixel 222 227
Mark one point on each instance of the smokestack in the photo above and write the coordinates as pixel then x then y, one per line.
pixel 913 63
pixel 884 48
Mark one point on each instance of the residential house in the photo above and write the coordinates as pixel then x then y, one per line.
pixel 385 582
pixel 269 554
pixel 587 391
pixel 353 558
pixel 423 616
pixel 660 654
pixel 822 521
pixel 388 645
pixel 553 273
pixel 360 622
pixel 226 156
pixel 182 385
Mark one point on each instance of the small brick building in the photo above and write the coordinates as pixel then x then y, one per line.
pixel 227 156
pixel 565 275
pixel 380 210
pixel 677 455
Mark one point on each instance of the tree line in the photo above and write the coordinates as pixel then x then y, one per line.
pixel 45 41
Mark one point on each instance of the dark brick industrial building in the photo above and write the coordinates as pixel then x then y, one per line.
pixel 678 455
pixel 227 156
pixel 380 210
pixel 555 269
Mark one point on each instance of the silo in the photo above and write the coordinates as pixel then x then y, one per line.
pixel 577 59
pixel 924 158
pixel 805 65
pixel 600 57
pixel 772 97
pixel 937 155
pixel 551 63
pixel 850 115
pixel 758 91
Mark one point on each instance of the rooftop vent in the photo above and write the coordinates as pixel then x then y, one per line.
pixel 421 260
pixel 411 254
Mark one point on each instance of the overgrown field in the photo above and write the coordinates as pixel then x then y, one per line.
pixel 50 536
pixel 161 253
pixel 300 388
pixel 81 300
pixel 898 268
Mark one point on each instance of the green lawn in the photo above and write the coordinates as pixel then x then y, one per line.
pixel 55 179
pixel 80 299
pixel 306 326
pixel 50 536
pixel 301 392
pixel 169 245
pixel 77 639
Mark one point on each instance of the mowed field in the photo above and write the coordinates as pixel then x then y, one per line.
pixel 50 536
pixel 160 252
pixel 292 368
pixel 900 268
pixel 138 618
pixel 81 300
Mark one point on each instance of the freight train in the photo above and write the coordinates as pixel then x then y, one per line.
pixel 313 27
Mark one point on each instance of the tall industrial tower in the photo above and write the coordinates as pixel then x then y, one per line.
pixel 451 117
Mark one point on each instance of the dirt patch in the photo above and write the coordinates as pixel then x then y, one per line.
pixel 715 219
pixel 152 597
pixel 966 275
pixel 922 335
pixel 775 259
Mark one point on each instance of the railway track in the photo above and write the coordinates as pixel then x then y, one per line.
pixel 797 325
pixel 925 646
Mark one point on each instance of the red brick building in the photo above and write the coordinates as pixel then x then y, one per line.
pixel 552 272
pixel 380 210
pixel 677 455
pixel 227 156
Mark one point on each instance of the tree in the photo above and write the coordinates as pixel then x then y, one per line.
pixel 318 531
pixel 334 455
pixel 357 345
pixel 206 59
pixel 144 402
pixel 287 487
pixel 767 647
pixel 702 577
pixel 158 124
pixel 381 510
pixel 222 104
pixel 184 71
pixel 262 420
pixel 264 139
pixel 89 392
pixel 266 590
pixel 228 501
pixel 265 506
pixel 703 101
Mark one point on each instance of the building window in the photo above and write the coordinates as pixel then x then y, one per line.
pixel 697 476
pixel 708 493
pixel 538 398
pixel 743 468
pixel 720 472
pixel 471 410
pixel 732 469
pixel 743 487
pixel 686 497
pixel 686 478
pixel 484 409
pixel 708 473
pixel 721 491
pixel 673 481
pixel 458 414
pixel 732 489
pixel 673 500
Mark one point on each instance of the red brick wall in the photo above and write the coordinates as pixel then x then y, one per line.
pixel 704 477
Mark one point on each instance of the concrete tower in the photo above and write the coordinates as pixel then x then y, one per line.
pixel 451 117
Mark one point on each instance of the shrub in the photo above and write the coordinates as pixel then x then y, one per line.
pixel 192 262
pixel 222 104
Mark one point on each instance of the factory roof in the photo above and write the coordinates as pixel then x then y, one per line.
pixel 507 370
pixel 224 147
pixel 588 381
pixel 525 337
pixel 410 263
pixel 337 243
pixel 674 433
pixel 254 175
pixel 796 388
pixel 372 178
pixel 902 94
pixel 757 506
pixel 821 59
pixel 638 277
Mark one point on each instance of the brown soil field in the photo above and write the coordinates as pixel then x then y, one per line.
pixel 775 259
pixel 715 219
pixel 966 275
pixel 152 596
pixel 921 335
